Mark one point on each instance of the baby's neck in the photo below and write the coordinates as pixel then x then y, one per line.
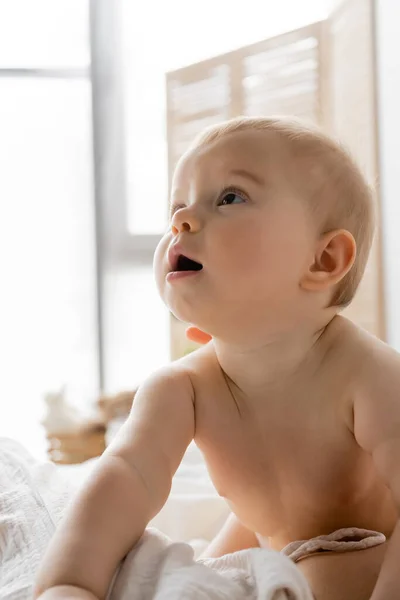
pixel 275 363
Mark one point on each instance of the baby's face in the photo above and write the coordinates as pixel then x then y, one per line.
pixel 234 213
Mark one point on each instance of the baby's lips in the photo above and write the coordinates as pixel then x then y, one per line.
pixel 174 252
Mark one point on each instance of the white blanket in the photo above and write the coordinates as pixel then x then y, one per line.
pixel 158 569
pixel 33 497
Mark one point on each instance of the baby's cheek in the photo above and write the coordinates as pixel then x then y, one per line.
pixel 159 263
pixel 161 250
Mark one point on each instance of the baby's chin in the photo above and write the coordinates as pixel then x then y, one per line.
pixel 185 316
pixel 211 317
pixel 191 317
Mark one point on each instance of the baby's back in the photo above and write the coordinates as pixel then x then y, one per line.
pixel 287 462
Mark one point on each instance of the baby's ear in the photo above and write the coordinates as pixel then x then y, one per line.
pixel 334 256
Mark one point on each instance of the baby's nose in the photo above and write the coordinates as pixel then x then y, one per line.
pixel 184 220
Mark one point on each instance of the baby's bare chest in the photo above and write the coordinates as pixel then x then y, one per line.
pixel 271 448
pixel 284 462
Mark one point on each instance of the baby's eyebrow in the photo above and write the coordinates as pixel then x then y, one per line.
pixel 248 175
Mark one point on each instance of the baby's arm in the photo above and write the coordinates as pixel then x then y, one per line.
pixel 377 430
pixel 131 483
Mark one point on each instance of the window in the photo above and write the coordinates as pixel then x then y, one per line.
pixel 44 34
pixel 48 319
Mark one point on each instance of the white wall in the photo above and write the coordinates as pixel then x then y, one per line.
pixel 388 80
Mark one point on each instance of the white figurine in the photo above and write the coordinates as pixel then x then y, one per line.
pixel 60 417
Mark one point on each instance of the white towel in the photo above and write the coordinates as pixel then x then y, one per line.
pixel 158 569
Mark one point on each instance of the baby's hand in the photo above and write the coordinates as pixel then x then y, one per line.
pixel 67 592
pixel 196 335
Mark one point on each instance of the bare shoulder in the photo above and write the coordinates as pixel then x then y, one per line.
pixel 173 389
pixel 372 359
pixel 375 392
pixel 363 352
pixel 355 362
pixel 200 365
pixel 171 382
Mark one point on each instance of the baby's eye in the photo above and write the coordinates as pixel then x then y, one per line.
pixel 231 198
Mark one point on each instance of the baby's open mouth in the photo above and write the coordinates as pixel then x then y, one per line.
pixel 187 264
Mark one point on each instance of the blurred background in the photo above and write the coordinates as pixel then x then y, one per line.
pixel 97 101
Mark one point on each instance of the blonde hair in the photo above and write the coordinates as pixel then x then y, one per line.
pixel 332 182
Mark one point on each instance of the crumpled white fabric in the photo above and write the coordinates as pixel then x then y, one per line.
pixel 158 569
pixel 33 498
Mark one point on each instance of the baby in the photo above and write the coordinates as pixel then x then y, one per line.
pixel 295 409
